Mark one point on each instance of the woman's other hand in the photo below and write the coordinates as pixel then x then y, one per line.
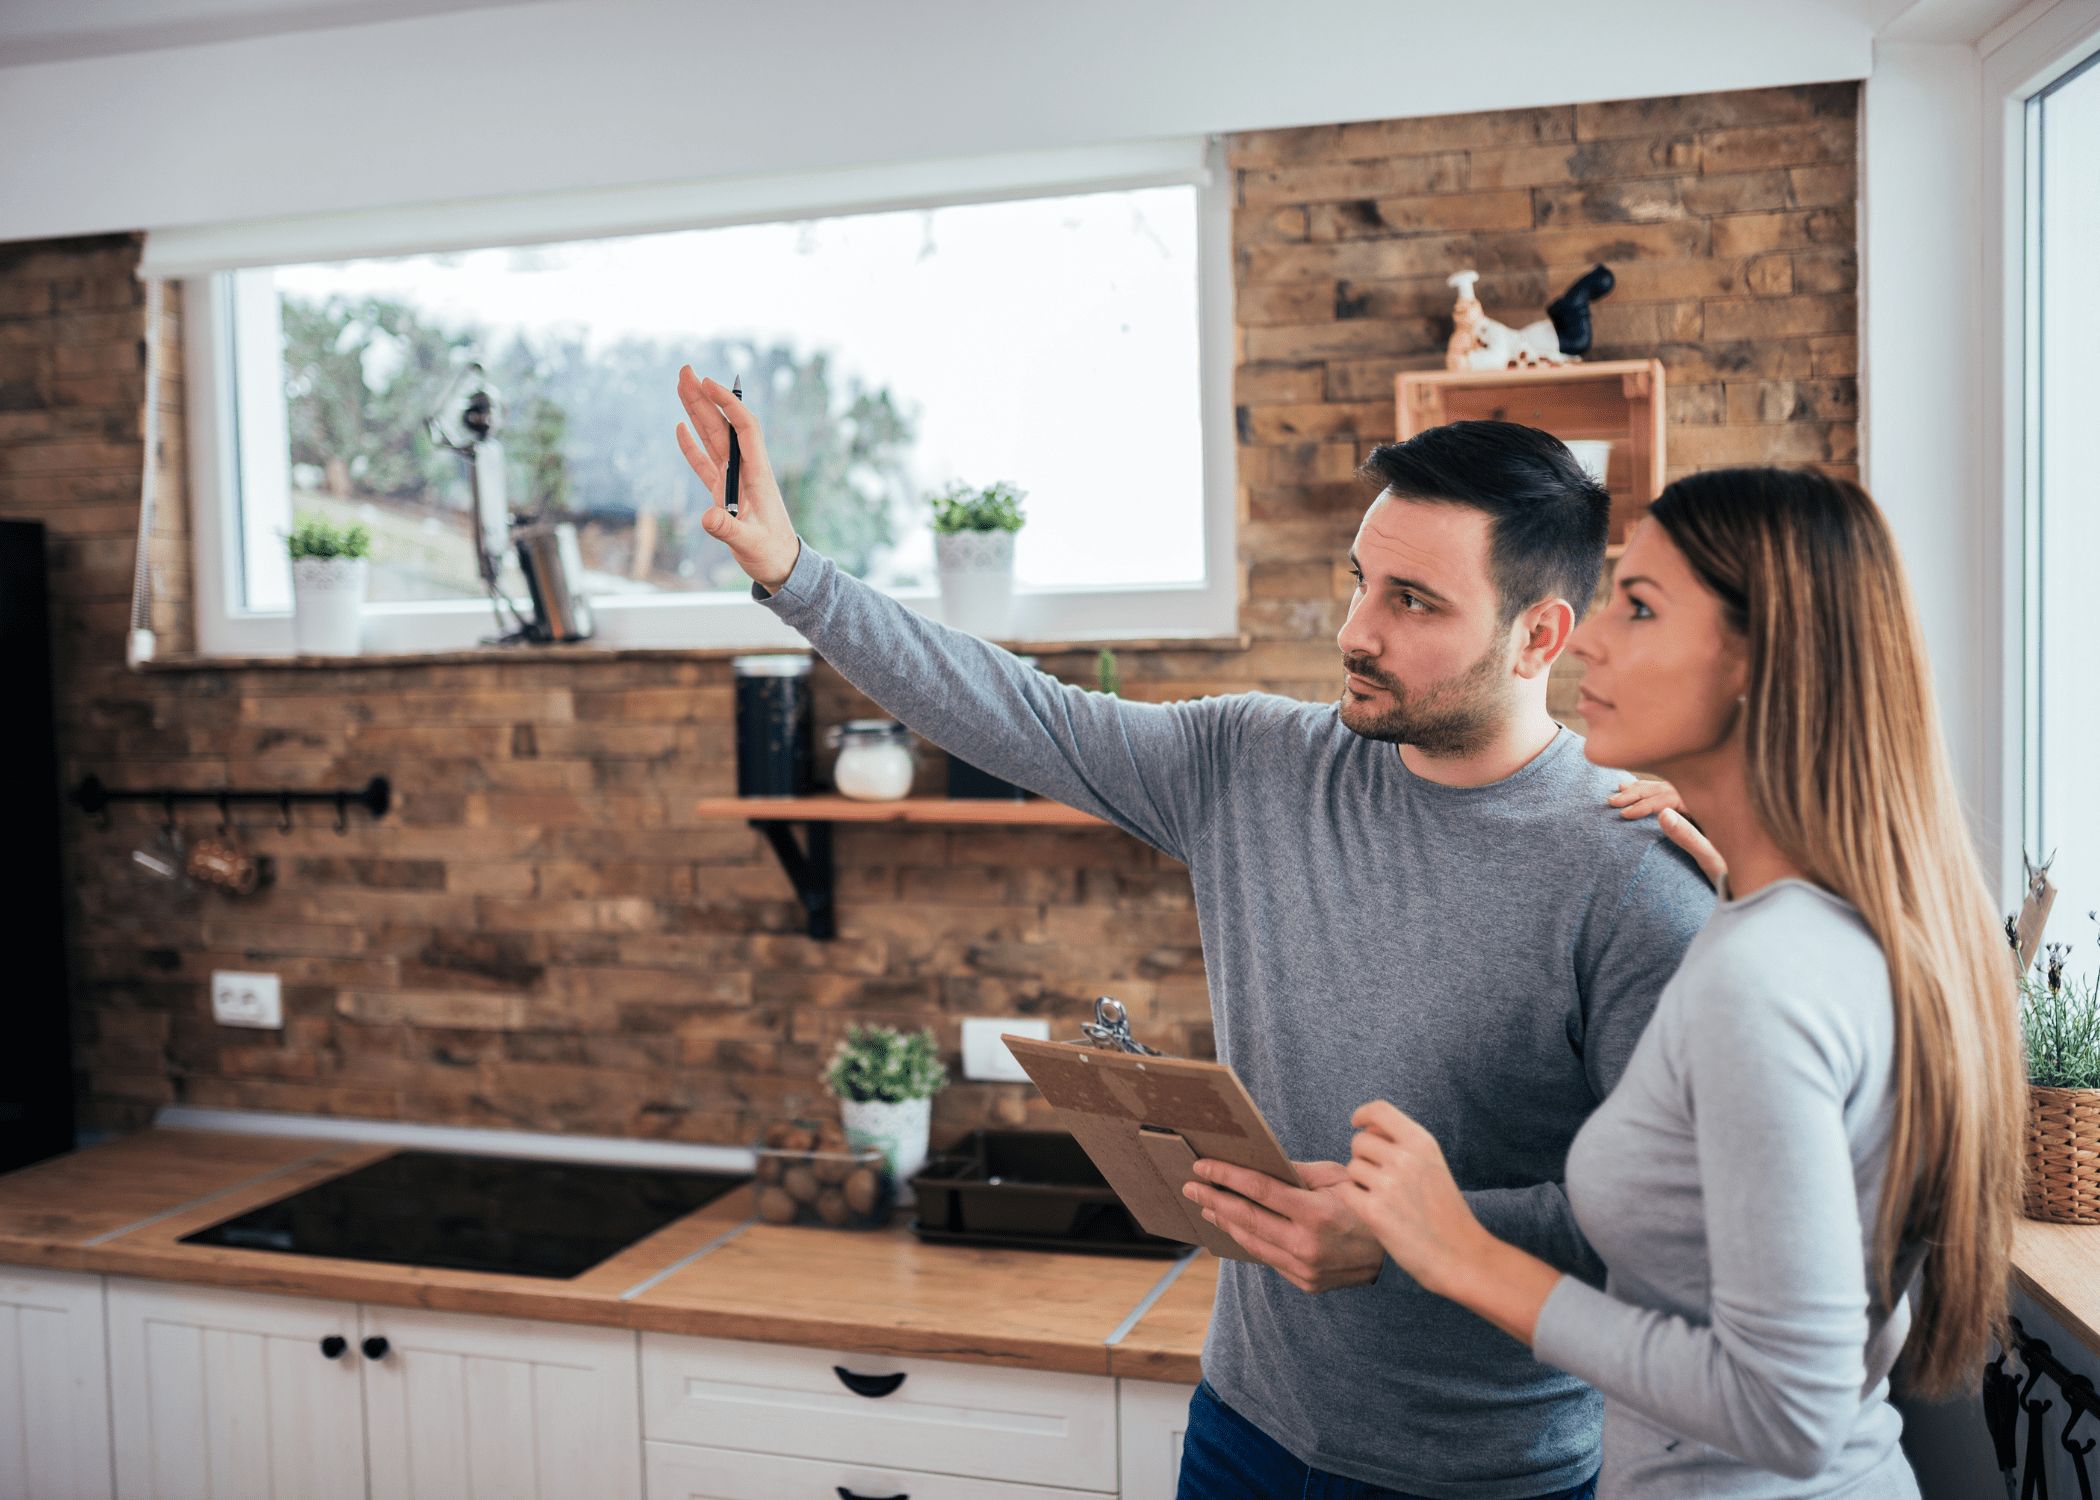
pixel 1400 1186
pixel 1642 797
pixel 760 536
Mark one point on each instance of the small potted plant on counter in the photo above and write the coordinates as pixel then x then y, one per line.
pixel 885 1081
pixel 2060 1018
pixel 329 568
pixel 973 543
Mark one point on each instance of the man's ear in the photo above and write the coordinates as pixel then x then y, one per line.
pixel 1541 634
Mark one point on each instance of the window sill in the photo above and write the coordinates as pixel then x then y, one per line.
pixel 589 654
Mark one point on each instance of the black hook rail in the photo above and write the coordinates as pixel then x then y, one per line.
pixel 2006 1396
pixel 92 797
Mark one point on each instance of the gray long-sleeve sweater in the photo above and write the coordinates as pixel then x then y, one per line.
pixel 1485 957
pixel 1731 1183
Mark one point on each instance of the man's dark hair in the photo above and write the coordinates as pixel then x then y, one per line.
pixel 1550 520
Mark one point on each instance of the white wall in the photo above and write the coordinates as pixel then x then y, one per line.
pixel 1922 332
pixel 570 94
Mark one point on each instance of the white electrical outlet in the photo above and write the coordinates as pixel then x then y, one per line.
pixel 987 1058
pixel 246 999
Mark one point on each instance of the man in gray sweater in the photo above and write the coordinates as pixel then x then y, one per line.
pixel 1416 894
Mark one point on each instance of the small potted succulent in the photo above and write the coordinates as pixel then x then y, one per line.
pixel 330 564
pixel 885 1081
pixel 973 543
pixel 2060 1019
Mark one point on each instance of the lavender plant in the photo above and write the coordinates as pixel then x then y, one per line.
pixel 2060 1018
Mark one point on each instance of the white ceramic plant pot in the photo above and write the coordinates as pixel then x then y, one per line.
pixel 328 595
pixel 977 580
pixel 897 1130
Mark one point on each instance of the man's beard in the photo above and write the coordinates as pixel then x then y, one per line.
pixel 1449 718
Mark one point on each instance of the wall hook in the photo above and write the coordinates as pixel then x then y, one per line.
pixel 342 812
pixel 167 810
pixel 284 811
pixel 225 818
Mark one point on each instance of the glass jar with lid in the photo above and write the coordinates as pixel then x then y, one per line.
pixel 875 763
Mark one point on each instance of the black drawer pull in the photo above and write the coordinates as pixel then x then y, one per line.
pixel 376 1347
pixel 333 1346
pixel 846 1494
pixel 871 1386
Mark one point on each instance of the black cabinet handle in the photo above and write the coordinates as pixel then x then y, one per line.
pixel 846 1494
pixel 874 1387
pixel 333 1346
pixel 375 1347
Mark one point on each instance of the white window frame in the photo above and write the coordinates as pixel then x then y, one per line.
pixel 2020 60
pixel 206 258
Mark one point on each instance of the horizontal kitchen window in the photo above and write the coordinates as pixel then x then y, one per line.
pixel 1068 336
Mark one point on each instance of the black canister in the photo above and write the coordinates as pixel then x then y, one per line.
pixel 774 746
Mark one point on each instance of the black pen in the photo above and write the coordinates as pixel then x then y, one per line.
pixel 736 459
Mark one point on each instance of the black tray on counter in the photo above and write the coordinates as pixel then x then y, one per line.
pixel 1031 1190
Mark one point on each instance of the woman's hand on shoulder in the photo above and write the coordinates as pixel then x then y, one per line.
pixel 1654 797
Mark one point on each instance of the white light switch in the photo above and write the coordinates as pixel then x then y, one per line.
pixel 246 999
pixel 985 1057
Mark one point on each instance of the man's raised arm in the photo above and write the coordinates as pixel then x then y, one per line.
pixel 1141 766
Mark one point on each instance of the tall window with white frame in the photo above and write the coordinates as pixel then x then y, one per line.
pixel 1053 342
pixel 2063 495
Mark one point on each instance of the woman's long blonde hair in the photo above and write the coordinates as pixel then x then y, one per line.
pixel 1848 774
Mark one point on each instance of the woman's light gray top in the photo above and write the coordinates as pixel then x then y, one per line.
pixel 1731 1184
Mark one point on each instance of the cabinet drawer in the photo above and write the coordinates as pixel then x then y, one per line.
pixel 953 1419
pixel 679 1472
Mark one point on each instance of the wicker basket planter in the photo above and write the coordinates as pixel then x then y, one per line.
pixel 2063 1155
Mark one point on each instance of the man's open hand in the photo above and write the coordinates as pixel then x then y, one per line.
pixel 760 536
pixel 1307 1234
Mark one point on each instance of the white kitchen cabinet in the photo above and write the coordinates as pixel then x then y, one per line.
pixel 680 1472
pixel 54 1387
pixel 1154 1417
pixel 1027 1427
pixel 236 1396
pixel 220 1395
pixel 473 1408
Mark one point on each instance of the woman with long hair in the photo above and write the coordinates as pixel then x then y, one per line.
pixel 1812 1160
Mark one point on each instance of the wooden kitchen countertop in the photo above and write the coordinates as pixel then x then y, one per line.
pixel 2058 1265
pixel 122 1207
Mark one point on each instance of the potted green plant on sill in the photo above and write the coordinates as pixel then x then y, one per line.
pixel 2060 1021
pixel 885 1081
pixel 330 575
pixel 973 544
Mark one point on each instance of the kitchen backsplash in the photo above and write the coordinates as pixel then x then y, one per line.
pixel 542 934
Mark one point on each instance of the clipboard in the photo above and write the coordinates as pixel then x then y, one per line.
pixel 1146 1119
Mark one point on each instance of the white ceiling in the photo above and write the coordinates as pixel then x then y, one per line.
pixel 35 31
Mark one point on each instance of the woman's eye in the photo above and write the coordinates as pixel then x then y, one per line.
pixel 1641 611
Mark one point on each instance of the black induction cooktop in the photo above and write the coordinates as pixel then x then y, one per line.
pixel 474 1213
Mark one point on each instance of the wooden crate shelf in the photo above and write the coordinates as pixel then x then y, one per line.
pixel 1619 401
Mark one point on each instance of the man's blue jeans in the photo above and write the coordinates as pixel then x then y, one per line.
pixel 1226 1457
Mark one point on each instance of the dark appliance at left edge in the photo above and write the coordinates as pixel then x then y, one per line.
pixel 36 1059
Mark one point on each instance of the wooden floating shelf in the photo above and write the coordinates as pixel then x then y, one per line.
pixel 1037 811
pixel 808 865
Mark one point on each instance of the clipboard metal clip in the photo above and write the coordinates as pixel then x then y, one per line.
pixel 1110 1028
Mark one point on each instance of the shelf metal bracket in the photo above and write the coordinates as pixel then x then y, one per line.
pixel 810 872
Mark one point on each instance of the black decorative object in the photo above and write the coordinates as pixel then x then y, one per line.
pixel 1570 311
pixel 967 783
pixel 2006 1396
